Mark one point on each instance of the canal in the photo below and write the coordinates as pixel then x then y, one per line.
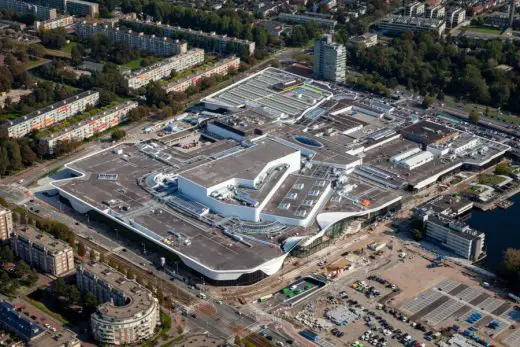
pixel 502 229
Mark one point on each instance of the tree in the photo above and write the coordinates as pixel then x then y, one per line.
pixel 130 274
pixel 6 255
pixel 28 156
pixel 23 269
pixel 428 101
pixel 4 161
pixel 90 301
pixel 73 294
pixel 417 234
pixel 55 38
pixel 474 116
pixel 23 219
pixel 71 239
pixel 32 278
pixel 118 134
pixel 93 255
pixel 503 169
pixel 60 287
pixel 510 268
pixel 81 249
pixel 76 54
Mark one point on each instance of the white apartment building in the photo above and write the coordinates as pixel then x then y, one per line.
pixel 366 40
pixel 415 9
pixel 43 251
pixel 221 68
pixel 221 42
pixel 82 8
pixel 456 236
pixel 22 7
pixel 435 12
pixel 302 19
pixel 129 313
pixel 91 126
pixel 164 68
pixel 6 224
pixel 162 46
pixel 455 16
pixel 49 115
pixel 395 25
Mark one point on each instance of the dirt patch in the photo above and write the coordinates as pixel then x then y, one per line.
pixel 206 309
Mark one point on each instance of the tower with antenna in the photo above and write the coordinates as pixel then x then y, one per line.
pixel 512 13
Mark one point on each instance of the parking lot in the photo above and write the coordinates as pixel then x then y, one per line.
pixel 472 310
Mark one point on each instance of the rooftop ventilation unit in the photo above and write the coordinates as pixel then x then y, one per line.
pixel 107 177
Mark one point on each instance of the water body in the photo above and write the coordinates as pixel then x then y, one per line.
pixel 502 229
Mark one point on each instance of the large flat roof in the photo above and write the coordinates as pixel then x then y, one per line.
pixel 245 164
pixel 208 245
pixel 273 91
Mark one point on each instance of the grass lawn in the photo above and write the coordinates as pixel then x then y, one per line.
pixel 484 30
pixel 490 179
pixel 34 63
pixel 134 64
pixel 9 116
pixel 40 306
pixel 492 112
pixel 64 52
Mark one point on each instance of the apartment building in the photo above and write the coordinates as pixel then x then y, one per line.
pixel 435 12
pixel 43 251
pixel 89 127
pixel 396 25
pixel 221 68
pixel 82 8
pixel 455 16
pixel 196 38
pixel 325 23
pixel 6 224
pixel 72 7
pixel 18 323
pixel 164 68
pixel 49 115
pixel 162 46
pixel 60 338
pixel 59 22
pixel 39 11
pixel 366 40
pixel 329 59
pixel 415 9
pixel 129 313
